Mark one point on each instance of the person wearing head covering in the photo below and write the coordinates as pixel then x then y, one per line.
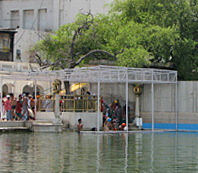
pixel 107 124
pixel 123 127
pixel 32 106
pixel 37 102
pixel 7 106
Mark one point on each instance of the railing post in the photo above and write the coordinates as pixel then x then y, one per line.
pixel 87 104
pixel 39 105
pixel 83 103
pixel 74 107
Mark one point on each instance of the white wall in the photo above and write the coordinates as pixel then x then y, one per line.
pixel 24 40
pixel 1 11
pixel 89 119
pixel 164 103
pixel 17 86
pixel 8 6
pixel 164 96
pixel 72 7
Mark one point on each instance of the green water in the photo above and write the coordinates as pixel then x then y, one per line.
pixel 71 152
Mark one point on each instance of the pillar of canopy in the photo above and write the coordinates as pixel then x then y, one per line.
pixel 104 74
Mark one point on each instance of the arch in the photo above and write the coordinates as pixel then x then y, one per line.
pixel 5 90
pixel 31 90
pixel 39 90
pixel 27 89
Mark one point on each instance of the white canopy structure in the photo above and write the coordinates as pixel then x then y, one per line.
pixel 105 74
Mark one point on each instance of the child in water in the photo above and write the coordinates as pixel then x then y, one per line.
pixel 79 126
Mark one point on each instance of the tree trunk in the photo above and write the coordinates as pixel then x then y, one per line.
pixel 67 87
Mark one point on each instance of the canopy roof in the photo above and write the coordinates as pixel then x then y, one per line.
pixel 104 74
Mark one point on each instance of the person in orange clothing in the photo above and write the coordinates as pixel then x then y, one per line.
pixel 123 127
pixel 37 102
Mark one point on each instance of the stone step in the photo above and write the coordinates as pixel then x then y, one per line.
pixel 17 128
pixel 42 121
pixel 11 129
pixel 133 126
pixel 12 124
pixel 42 124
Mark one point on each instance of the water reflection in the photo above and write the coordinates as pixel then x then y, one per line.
pixel 126 151
pixel 98 154
pixel 152 151
pixel 72 152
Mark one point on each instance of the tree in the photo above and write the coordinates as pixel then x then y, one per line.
pixel 179 16
pixel 70 45
pixel 134 33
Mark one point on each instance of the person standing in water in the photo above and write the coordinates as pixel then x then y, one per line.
pixel 80 125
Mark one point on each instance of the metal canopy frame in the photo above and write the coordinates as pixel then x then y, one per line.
pixel 106 74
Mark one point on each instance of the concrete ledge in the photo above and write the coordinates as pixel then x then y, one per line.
pixel 89 119
pixel 12 124
pixel 34 126
pixel 47 128
pixel 14 129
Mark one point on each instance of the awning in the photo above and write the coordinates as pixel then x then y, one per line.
pixel 76 86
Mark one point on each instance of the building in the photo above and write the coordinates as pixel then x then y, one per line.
pixel 6 44
pixel 25 22
pixel 34 18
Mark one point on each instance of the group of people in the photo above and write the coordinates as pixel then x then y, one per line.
pixel 21 109
pixel 114 115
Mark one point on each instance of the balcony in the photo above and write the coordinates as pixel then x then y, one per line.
pixel 7 66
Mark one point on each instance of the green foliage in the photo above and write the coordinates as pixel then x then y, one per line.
pixel 176 21
pixel 136 31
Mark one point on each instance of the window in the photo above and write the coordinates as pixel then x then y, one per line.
pixel 14 19
pixel 28 19
pixel 4 42
pixel 42 19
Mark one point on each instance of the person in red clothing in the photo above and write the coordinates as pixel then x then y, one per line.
pixel 102 104
pixel 13 107
pixel 7 106
pixel 19 106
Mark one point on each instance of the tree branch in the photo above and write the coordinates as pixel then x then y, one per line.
pixel 77 32
pixel 92 52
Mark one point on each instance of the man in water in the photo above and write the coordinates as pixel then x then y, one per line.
pixel 123 127
pixel 107 124
pixel 80 125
